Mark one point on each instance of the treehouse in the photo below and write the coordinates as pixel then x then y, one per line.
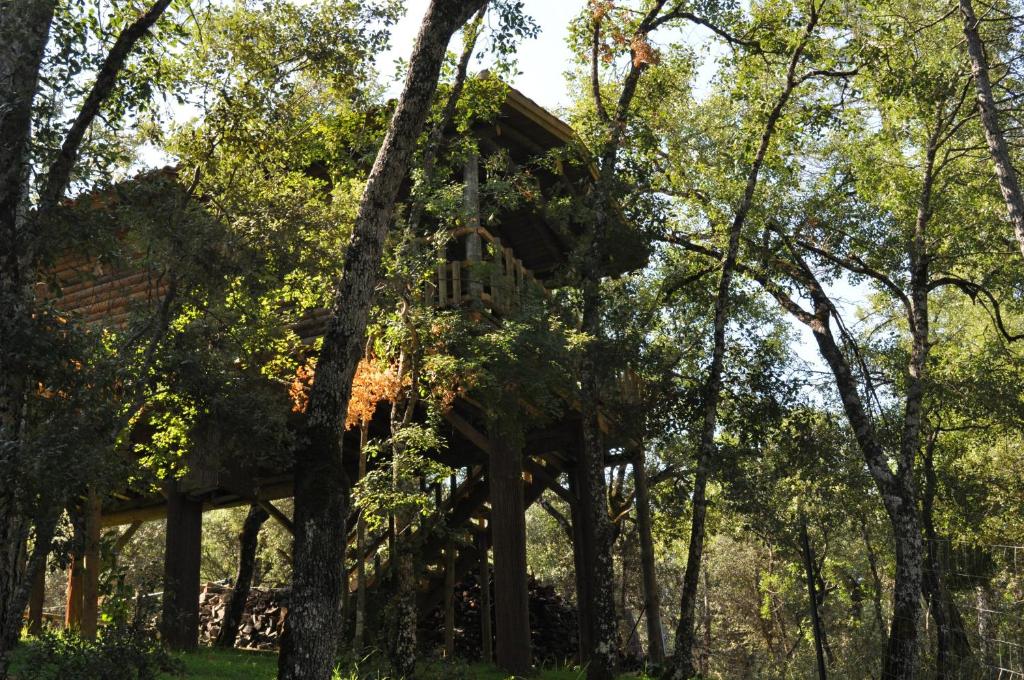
pixel 490 265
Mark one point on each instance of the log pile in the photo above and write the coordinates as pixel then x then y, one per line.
pixel 261 625
pixel 553 622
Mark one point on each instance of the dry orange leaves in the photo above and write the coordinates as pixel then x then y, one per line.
pixel 373 383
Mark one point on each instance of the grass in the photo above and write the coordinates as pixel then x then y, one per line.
pixel 215 664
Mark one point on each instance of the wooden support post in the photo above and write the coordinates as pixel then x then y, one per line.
pixel 449 580
pixel 497 292
pixel 180 621
pixel 91 568
pixel 508 538
pixel 582 550
pixel 449 600
pixel 36 602
pixel 278 516
pixel 456 283
pixel 486 634
pixel 73 609
pixel 442 285
pixel 474 245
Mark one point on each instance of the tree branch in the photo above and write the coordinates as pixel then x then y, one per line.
pixel 59 174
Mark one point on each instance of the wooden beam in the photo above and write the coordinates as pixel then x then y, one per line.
pixel 91 568
pixel 508 540
pixel 466 429
pixel 179 625
pixel 36 602
pixel 278 516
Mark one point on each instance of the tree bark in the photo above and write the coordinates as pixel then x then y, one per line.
pixel 24 31
pixel 360 623
pixel 486 629
pixel 994 137
pixel 248 542
pixel 406 619
pixel 322 487
pixel 598 565
pixel 812 595
pixel 652 593
pixel 952 645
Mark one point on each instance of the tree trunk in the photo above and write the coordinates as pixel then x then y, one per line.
pixel 812 594
pixel 953 647
pixel 998 148
pixel 321 486
pixel 581 550
pixel 248 542
pixel 360 624
pixel 596 527
pixel 24 31
pixel 508 539
pixel 449 601
pixel 652 593
pixel 486 630
pixel 403 650
pixel 682 666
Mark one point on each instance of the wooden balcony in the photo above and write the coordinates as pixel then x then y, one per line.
pixel 491 276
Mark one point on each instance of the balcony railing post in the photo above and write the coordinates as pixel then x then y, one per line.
pixel 474 246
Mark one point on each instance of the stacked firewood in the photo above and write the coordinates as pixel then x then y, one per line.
pixel 261 625
pixel 553 623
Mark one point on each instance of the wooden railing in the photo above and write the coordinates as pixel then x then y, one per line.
pixel 491 276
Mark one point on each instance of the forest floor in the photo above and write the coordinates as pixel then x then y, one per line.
pixel 213 664
pixel 210 664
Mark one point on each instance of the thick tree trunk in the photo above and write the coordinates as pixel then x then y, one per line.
pixel 321 486
pixel 652 593
pixel 599 576
pixel 998 148
pixel 508 538
pixel 11 626
pixel 24 30
pixel 248 542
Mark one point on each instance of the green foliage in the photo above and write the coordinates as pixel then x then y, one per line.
pixel 119 653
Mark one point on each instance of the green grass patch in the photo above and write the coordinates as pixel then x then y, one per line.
pixel 217 664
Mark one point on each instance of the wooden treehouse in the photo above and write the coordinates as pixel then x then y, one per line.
pixel 488 268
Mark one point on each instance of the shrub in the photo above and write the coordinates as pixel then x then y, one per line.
pixel 119 653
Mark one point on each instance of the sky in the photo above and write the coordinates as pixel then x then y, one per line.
pixel 542 61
